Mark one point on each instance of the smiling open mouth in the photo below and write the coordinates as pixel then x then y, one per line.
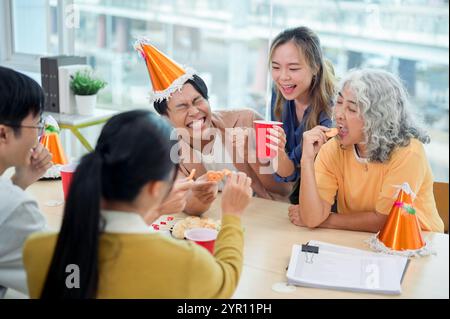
pixel 197 123
pixel 343 131
pixel 288 89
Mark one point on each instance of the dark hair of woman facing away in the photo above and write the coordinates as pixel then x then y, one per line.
pixel 133 149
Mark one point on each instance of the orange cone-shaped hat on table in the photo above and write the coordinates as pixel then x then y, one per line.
pixel 165 74
pixel 51 141
pixel 402 230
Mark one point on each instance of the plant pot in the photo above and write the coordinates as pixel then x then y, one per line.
pixel 86 104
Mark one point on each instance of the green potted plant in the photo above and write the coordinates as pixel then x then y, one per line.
pixel 85 85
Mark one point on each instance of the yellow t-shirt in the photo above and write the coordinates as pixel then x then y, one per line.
pixel 151 265
pixel 363 186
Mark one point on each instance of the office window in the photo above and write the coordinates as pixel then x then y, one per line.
pixel 34 27
pixel 206 35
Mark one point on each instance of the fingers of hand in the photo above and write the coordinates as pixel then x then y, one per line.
pixel 275 140
pixel 177 203
pixel 203 185
pixel 272 132
pixel 46 166
pixel 245 183
pixel 293 208
pixel 242 179
pixel 38 150
pixel 290 213
pixel 294 218
pixel 272 147
pixel 291 216
pixel 276 131
pixel 315 137
pixel 39 153
pixel 283 139
pixel 207 198
pixel 248 182
pixel 321 131
pixel 233 178
pixel 321 128
pixel 249 186
pixel 43 161
pixel 202 178
pixel 183 185
pixel 206 192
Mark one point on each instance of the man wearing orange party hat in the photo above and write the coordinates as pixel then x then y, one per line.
pixel 181 96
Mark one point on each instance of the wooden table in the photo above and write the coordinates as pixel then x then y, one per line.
pixel 269 237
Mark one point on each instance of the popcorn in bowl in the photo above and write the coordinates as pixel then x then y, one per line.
pixel 193 222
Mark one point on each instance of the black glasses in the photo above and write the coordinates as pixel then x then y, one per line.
pixel 40 127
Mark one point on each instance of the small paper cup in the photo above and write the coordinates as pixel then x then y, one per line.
pixel 67 172
pixel 204 237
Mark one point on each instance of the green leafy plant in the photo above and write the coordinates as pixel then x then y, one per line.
pixel 85 83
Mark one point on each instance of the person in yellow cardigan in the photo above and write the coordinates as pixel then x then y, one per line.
pixel 378 148
pixel 105 249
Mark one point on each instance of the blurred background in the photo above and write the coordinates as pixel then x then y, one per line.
pixel 227 41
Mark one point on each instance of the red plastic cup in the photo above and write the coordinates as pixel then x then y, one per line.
pixel 67 172
pixel 262 140
pixel 204 237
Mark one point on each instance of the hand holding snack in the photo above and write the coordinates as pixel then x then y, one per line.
pixel 204 189
pixel 176 201
pixel 313 141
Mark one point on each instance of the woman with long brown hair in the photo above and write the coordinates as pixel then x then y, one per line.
pixel 303 92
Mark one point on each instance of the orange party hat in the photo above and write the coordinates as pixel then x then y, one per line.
pixel 51 141
pixel 401 233
pixel 402 230
pixel 165 74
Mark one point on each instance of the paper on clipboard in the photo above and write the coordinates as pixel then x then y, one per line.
pixel 343 268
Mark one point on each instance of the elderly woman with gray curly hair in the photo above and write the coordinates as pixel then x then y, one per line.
pixel 378 147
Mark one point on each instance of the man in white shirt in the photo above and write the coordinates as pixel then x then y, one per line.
pixel 21 104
